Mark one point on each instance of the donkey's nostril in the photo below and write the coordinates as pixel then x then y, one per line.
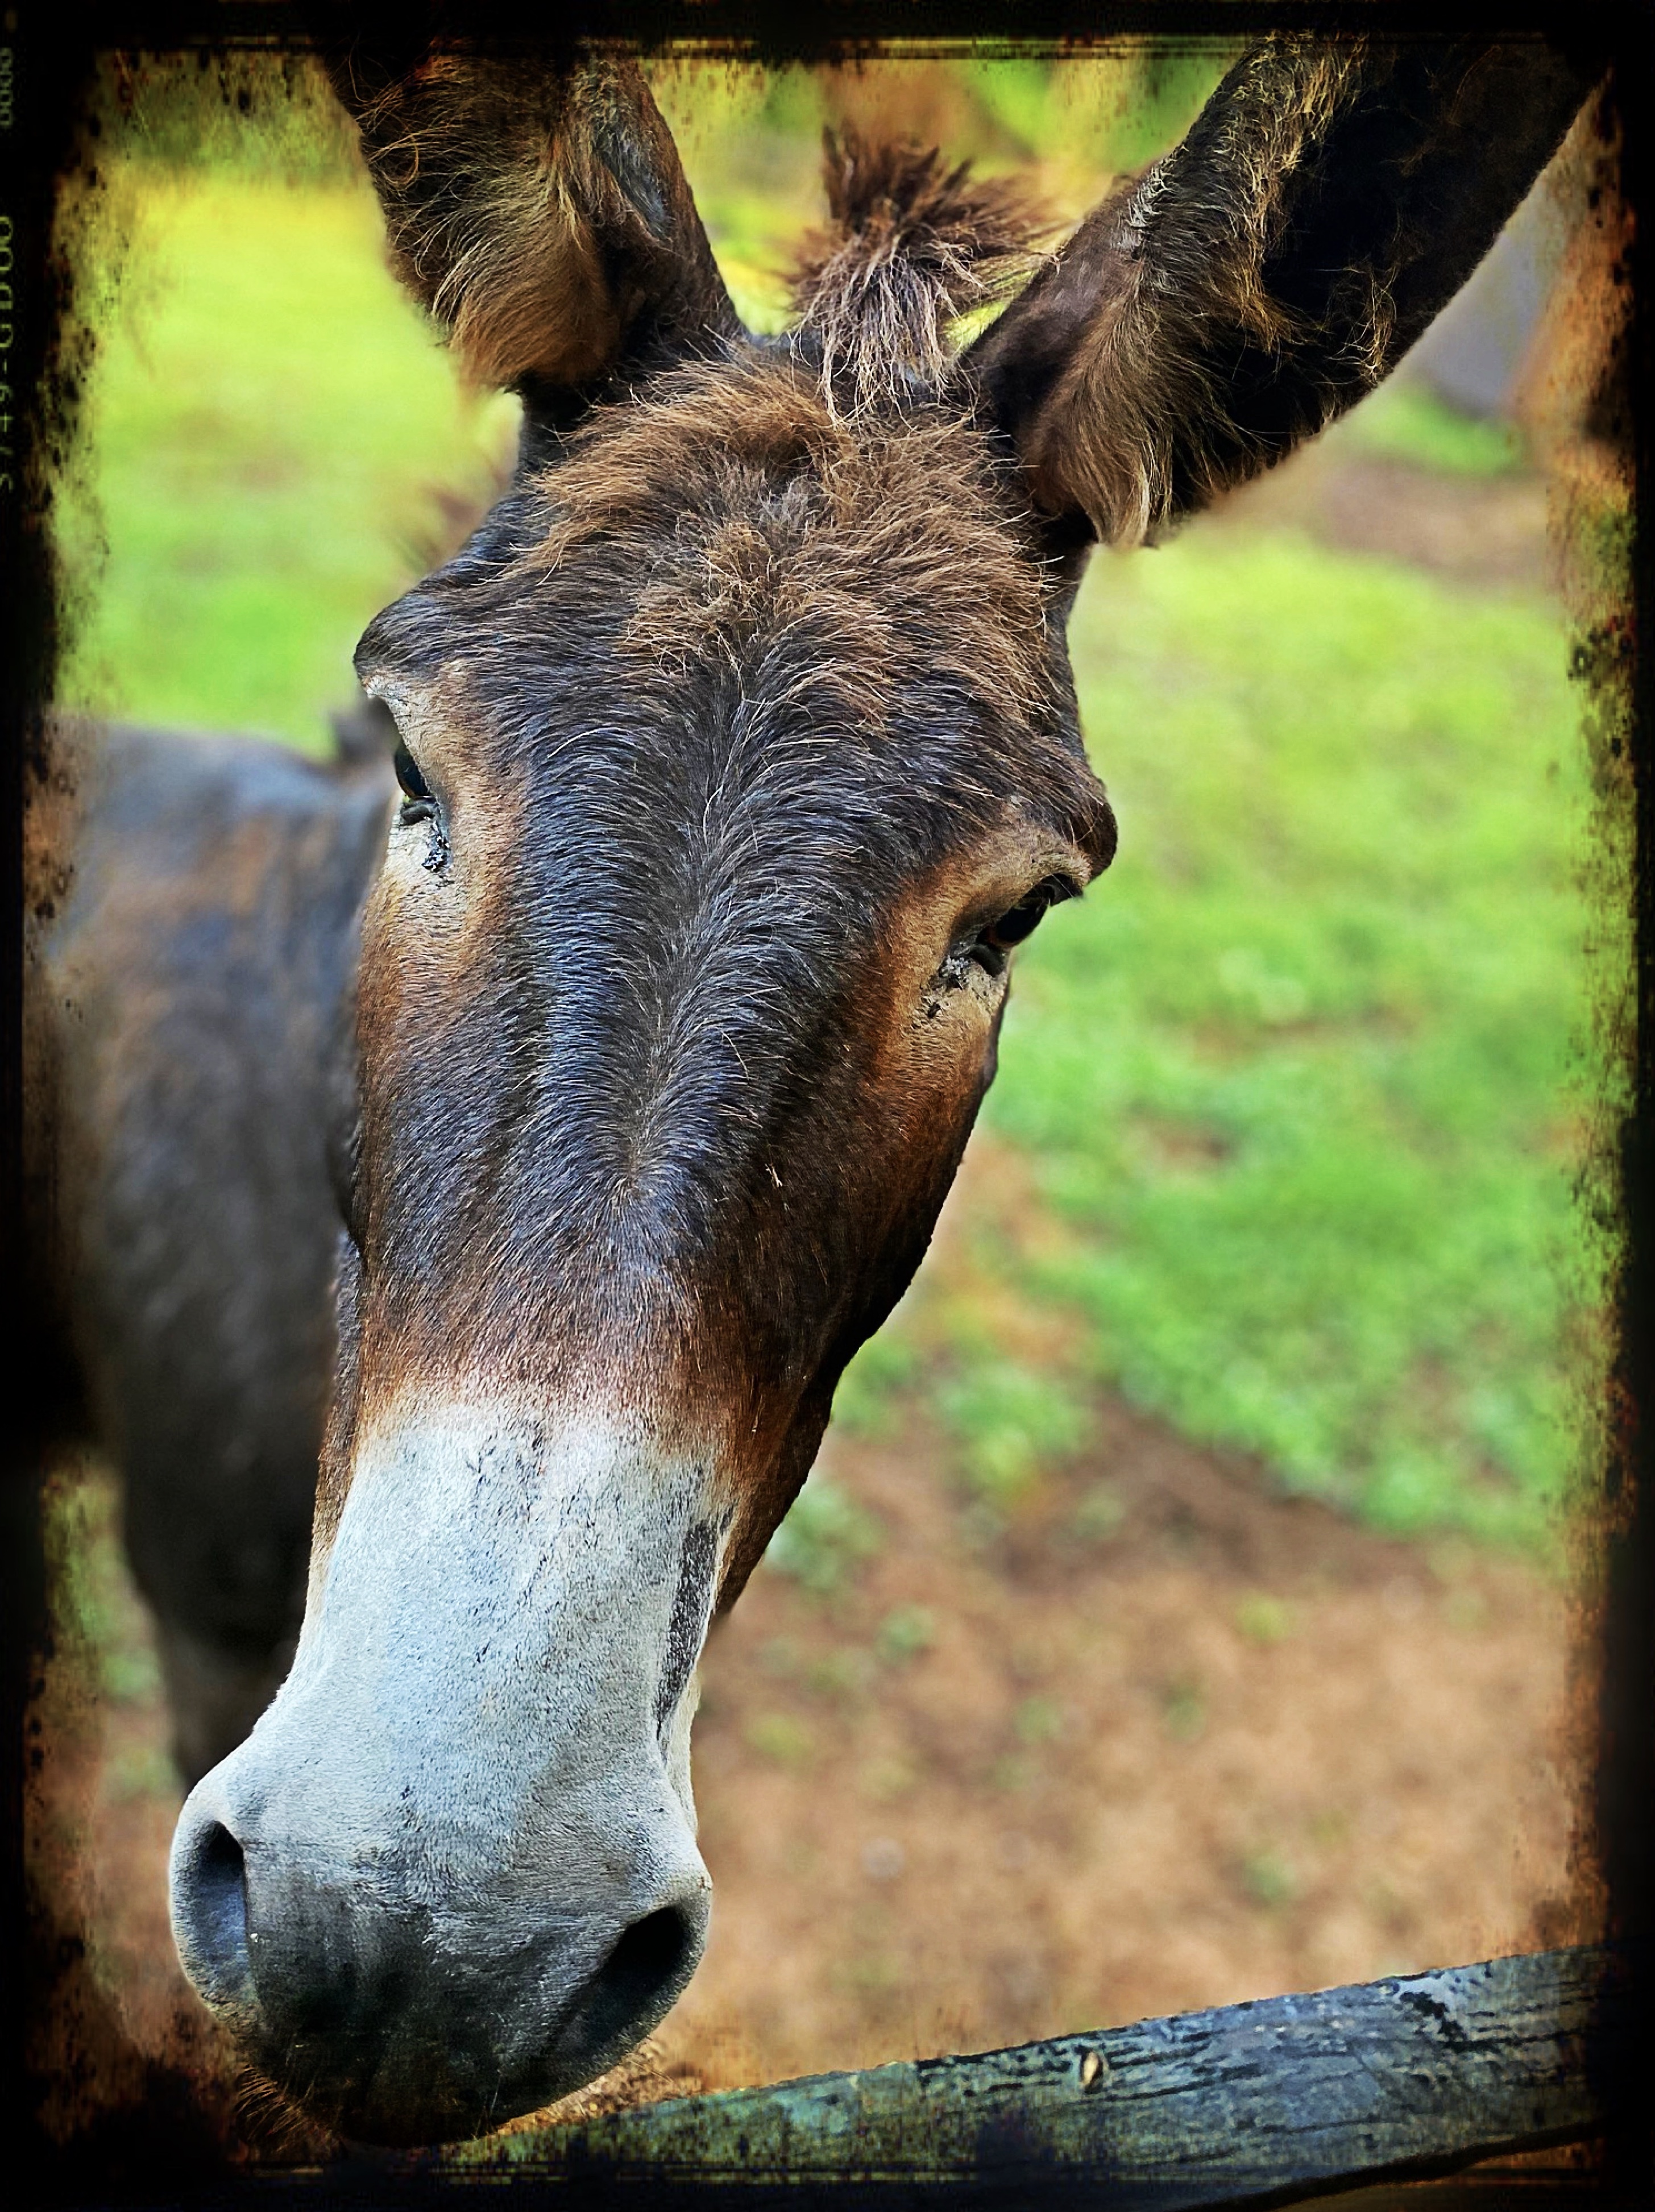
pixel 639 1980
pixel 209 1912
pixel 651 1951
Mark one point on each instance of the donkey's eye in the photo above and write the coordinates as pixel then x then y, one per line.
pixel 417 803
pixel 996 939
pixel 419 799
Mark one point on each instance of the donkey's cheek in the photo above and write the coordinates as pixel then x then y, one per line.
pixel 427 922
pixel 948 1061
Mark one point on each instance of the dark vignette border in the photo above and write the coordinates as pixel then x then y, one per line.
pixel 47 50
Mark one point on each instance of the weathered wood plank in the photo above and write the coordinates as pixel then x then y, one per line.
pixel 1287 2096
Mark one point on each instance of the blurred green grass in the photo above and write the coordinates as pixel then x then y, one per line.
pixel 1300 1083
pixel 273 436
pixel 1298 1079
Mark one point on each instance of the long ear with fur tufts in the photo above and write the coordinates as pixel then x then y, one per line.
pixel 1331 197
pixel 540 212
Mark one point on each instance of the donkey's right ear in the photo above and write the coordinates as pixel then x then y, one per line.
pixel 538 209
pixel 1332 195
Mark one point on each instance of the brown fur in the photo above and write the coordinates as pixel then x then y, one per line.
pixel 1269 271
pixel 912 247
pixel 765 542
pixel 1138 383
pixel 508 217
pixel 870 515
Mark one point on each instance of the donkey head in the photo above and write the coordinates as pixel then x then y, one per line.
pixel 738 749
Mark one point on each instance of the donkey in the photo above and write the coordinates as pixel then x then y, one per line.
pixel 627 1049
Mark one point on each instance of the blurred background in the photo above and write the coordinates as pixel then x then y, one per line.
pixel 1182 1609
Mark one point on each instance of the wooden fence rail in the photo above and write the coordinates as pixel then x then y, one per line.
pixel 1289 2097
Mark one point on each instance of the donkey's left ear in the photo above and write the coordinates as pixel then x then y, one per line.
pixel 1331 197
pixel 538 209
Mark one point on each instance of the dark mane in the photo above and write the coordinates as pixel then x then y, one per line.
pixel 910 248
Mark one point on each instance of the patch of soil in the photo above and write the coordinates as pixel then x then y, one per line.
pixel 1483 532
pixel 123 2049
pixel 1175 1742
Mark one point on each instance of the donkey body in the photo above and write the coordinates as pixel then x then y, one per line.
pixel 736 749
pixel 189 1056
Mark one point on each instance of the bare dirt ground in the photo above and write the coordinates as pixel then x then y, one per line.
pixel 1166 1740
pixel 1488 532
pixel 1233 1747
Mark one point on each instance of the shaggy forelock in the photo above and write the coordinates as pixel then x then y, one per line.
pixel 911 246
pixel 725 522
